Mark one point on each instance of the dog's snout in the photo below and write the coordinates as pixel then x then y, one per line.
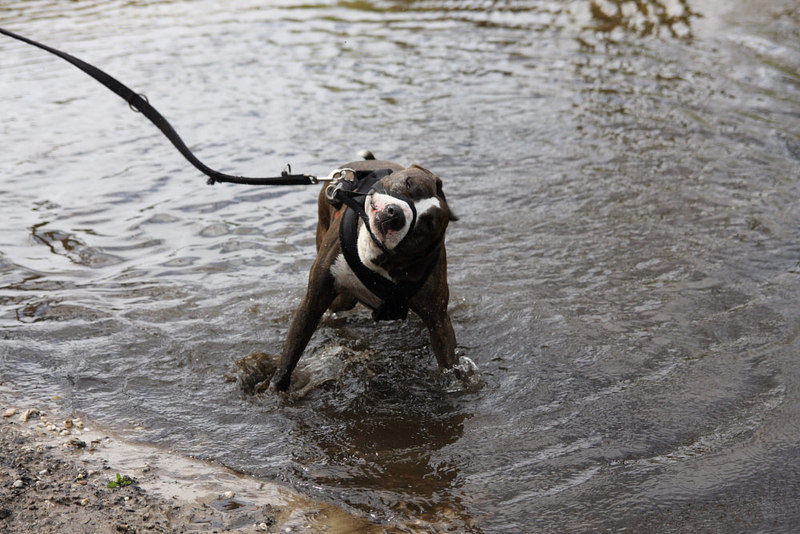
pixel 391 218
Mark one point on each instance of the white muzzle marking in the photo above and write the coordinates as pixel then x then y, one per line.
pixel 376 203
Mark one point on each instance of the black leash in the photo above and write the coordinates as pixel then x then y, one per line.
pixel 139 103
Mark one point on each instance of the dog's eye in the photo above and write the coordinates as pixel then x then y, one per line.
pixel 413 189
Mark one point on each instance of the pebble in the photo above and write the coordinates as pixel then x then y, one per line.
pixel 68 423
pixel 76 443
pixel 84 502
pixel 10 412
pixel 65 432
pixel 229 495
pixel 27 414
pixel 18 483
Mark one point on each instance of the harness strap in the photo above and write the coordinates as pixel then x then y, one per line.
pixel 354 192
pixel 395 297
pixel 139 103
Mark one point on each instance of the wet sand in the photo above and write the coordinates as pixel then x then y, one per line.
pixel 55 473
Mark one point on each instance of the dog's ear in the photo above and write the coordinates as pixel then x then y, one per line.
pixel 440 194
pixel 439 190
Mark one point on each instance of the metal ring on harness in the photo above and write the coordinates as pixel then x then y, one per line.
pixel 337 179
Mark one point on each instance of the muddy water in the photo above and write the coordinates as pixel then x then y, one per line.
pixel 625 273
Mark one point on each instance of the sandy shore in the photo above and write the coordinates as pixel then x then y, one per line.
pixel 55 473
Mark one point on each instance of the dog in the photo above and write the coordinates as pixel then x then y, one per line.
pixel 380 241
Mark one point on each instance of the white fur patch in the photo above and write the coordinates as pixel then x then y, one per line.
pixel 368 251
pixel 347 280
pixel 426 204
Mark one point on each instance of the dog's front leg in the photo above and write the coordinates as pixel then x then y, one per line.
pixel 443 339
pixel 318 297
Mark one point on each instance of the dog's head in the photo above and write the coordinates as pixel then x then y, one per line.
pixel 408 211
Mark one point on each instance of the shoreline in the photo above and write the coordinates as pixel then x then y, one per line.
pixel 55 473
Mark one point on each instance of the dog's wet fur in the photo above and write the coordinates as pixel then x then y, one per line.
pixel 333 286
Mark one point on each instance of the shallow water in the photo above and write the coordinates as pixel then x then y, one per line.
pixel 625 273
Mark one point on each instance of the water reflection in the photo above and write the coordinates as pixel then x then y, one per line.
pixel 376 430
pixel 644 17
pixel 69 245
pixel 385 459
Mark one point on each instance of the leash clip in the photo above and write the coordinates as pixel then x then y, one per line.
pixel 335 176
pixel 337 180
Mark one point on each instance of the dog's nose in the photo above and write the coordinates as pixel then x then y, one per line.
pixel 391 218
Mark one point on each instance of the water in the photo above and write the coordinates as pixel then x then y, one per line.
pixel 625 273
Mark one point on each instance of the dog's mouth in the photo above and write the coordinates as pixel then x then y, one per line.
pixel 389 218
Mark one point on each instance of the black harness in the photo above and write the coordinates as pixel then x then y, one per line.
pixel 395 297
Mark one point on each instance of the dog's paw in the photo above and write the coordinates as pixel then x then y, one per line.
pixel 466 365
pixel 462 377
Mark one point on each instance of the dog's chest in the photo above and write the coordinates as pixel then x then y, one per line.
pixel 346 281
